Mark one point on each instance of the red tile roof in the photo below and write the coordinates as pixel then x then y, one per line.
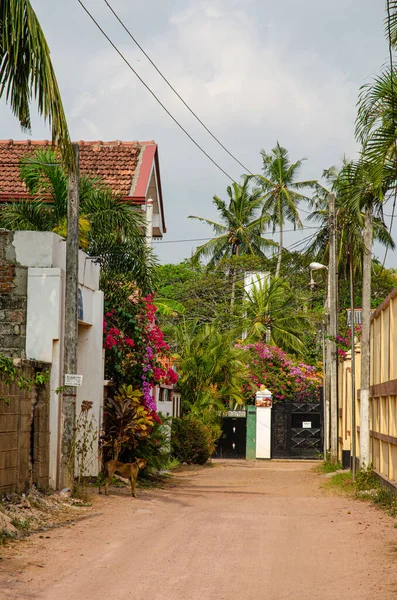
pixel 115 162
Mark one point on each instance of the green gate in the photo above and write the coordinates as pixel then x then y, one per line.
pixel 251 433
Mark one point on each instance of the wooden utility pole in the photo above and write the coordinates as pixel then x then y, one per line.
pixel 68 414
pixel 365 459
pixel 333 329
pixel 353 366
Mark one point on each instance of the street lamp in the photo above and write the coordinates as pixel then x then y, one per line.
pixel 316 266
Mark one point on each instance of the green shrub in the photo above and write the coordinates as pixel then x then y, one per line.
pixel 155 448
pixel 366 480
pixel 193 441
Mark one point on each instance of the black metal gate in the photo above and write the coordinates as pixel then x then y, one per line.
pixel 297 430
pixel 232 443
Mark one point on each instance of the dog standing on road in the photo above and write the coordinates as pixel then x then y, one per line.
pixel 127 470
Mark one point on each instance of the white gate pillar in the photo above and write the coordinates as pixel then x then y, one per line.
pixel 263 403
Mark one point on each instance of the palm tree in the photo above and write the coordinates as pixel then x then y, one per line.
pixel 376 129
pixel 280 191
pixel 343 183
pixel 240 230
pixel 109 229
pixel 274 314
pixel 211 369
pixel 26 70
pixel 241 226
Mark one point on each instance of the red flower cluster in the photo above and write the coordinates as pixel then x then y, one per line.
pixel 155 416
pixel 156 336
pixel 114 337
pixel 171 377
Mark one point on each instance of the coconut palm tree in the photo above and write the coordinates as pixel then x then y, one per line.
pixel 343 183
pixel 241 226
pixel 240 230
pixel 281 192
pixel 275 315
pixel 26 70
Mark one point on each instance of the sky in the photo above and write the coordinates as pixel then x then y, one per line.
pixel 255 71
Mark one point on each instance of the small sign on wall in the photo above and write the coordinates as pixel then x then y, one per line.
pixel 73 380
pixel 263 402
pixel 306 424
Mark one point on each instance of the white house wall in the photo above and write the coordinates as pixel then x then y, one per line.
pixel 45 255
pixel 90 365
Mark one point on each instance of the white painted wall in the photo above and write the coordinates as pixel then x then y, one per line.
pixel 44 254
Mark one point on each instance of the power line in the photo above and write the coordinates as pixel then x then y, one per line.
pixel 152 93
pixel 173 89
pixel 210 238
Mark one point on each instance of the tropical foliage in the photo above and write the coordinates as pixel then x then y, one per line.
pixel 284 376
pixel 26 71
pixel 241 227
pixel 281 193
pixel 193 439
pixel 274 313
pixel 211 369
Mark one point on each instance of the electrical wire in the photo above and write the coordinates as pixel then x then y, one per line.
pixel 152 93
pixel 173 89
pixel 210 238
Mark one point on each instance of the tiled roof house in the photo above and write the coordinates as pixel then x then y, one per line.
pixel 131 169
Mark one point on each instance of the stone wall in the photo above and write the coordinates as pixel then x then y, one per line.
pixel 13 299
pixel 24 433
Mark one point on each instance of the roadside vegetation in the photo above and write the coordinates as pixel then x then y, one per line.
pixel 366 487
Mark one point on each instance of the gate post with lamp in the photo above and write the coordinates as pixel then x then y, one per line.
pixel 263 403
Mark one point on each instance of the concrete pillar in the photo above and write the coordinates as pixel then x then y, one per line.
pixel 263 402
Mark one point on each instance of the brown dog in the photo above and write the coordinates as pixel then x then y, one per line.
pixel 128 470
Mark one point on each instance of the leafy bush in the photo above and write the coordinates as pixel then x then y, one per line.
pixel 126 421
pixel 286 378
pixel 156 446
pixel 193 440
pixel 366 480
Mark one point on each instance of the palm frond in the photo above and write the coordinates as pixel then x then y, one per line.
pixel 27 216
pixel 26 70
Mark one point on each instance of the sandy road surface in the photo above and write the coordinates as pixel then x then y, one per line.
pixel 246 531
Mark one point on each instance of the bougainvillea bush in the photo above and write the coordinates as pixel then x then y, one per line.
pixel 286 378
pixel 137 358
pixel 135 350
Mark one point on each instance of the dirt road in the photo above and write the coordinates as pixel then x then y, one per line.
pixel 235 530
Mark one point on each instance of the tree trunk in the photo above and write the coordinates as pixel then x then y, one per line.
pixel 232 273
pixel 365 459
pixel 68 406
pixel 280 244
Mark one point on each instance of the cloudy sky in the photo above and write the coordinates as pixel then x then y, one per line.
pixel 255 71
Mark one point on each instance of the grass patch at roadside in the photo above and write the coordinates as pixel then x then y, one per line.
pixel 328 467
pixel 365 487
pixel 341 483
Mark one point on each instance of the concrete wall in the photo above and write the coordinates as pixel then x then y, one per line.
pixel 24 434
pixel 39 261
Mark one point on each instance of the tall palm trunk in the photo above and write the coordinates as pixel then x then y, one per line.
pixel 232 273
pixel 365 459
pixel 280 244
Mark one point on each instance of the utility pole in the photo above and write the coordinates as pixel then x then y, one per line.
pixel 365 455
pixel 68 410
pixel 353 373
pixel 332 366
